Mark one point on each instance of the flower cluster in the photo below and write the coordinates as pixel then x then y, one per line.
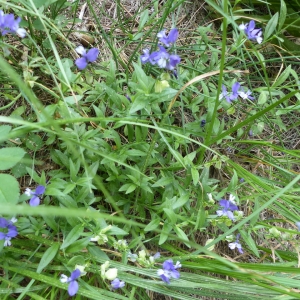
pixel 162 58
pixel 143 258
pixel 8 24
pixel 35 199
pixel 87 57
pixel 11 230
pixel 236 91
pixel 169 271
pixel 111 274
pixel 252 32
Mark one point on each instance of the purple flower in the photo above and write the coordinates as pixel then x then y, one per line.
pixel 230 96
pixel 117 284
pixel 228 207
pixel 252 32
pixel 170 39
pixel 11 231
pixel 246 95
pixel 73 284
pixel 35 200
pixel 169 271
pixel 8 24
pixel 87 57
pixel 146 56
pixel 236 244
pixel 163 59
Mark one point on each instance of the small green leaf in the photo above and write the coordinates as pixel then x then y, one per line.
pixel 78 245
pixel 165 233
pixel 180 233
pixel 73 235
pixel 47 257
pixel 249 241
pixel 10 156
pixel 143 19
pixel 195 175
pixel 163 182
pixel 152 225
pixel 9 189
pixel 271 26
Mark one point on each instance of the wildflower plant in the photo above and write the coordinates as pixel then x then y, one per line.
pixel 138 157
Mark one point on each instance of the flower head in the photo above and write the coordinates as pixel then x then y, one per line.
pixel 252 32
pixel 87 57
pixel 73 284
pixel 11 231
pixel 169 271
pixel 8 24
pixel 230 96
pixel 228 207
pixel 117 284
pixel 35 199
pixel 170 39
pixel 236 244
pixel 163 59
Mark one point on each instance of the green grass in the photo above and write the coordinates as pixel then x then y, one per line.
pixel 141 170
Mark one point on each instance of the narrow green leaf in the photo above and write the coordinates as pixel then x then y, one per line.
pixel 152 225
pixel 47 257
pixel 282 16
pixel 271 26
pixel 73 235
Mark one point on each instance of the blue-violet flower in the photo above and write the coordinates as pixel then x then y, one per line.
pixel 11 231
pixel 252 32
pixel 8 24
pixel 86 58
pixel 35 200
pixel 169 271
pixel 170 39
pixel 236 244
pixel 230 96
pixel 163 59
pixel 73 284
pixel 245 95
pixel 117 284
pixel 228 207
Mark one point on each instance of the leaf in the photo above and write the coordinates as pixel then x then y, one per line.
pixel 143 19
pixel 10 156
pixel 9 189
pixel 4 131
pixel 165 233
pixel 163 182
pixel 78 245
pixel 195 175
pixel 73 235
pixel 249 241
pixel 282 78
pixel 180 233
pixel 97 253
pixel 282 16
pixel 153 224
pixel 47 257
pixel 271 26
pixel 138 104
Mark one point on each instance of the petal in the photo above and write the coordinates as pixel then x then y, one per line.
pixel 251 25
pixel 3 223
pixel 92 55
pixel 231 206
pixel 40 190
pixel 173 35
pixel 165 278
pixel 64 278
pixel 168 265
pixel 223 202
pixel 21 32
pixel 73 288
pixel 175 274
pixel 80 50
pixel 2 236
pixel 34 201
pixel 162 34
pixel 81 63
pixel 28 192
pixel 230 215
pixel 220 213
pixel 75 274
pixel 235 87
